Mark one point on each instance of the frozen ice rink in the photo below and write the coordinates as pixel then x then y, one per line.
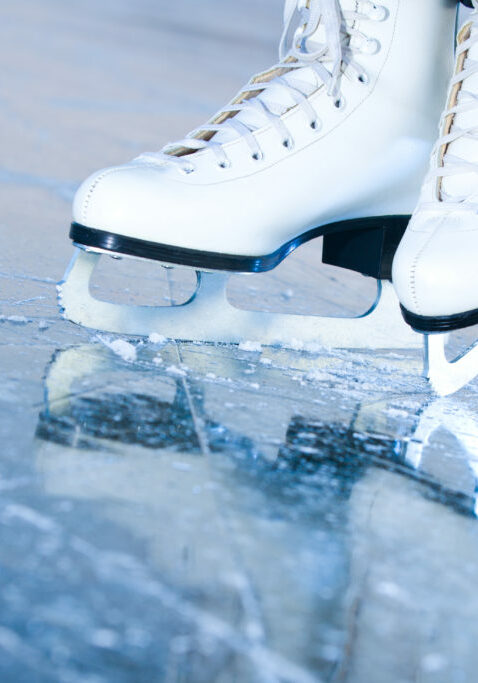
pixel 186 513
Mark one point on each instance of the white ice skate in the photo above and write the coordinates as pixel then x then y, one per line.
pixel 333 140
pixel 435 269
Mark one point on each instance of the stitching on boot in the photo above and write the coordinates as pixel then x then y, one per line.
pixel 94 185
pixel 92 188
pixel 413 282
pixel 413 273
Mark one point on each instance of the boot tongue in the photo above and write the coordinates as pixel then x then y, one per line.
pixel 345 6
pixel 466 148
pixel 294 16
pixel 277 98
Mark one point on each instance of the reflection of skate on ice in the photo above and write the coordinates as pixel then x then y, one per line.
pixel 205 518
pixel 460 471
pixel 79 409
pixel 408 535
pixel 413 568
pixel 450 476
pixel 310 147
pixel 83 409
pixel 249 540
pixel 435 271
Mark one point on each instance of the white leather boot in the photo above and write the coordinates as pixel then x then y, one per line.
pixel 435 268
pixel 333 140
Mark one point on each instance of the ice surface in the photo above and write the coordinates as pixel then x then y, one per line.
pixel 219 515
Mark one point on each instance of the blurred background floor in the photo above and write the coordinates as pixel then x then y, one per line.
pixel 203 513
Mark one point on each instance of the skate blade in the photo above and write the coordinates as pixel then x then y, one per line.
pixel 208 316
pixel 447 377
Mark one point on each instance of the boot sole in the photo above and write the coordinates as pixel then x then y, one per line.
pixel 445 323
pixel 365 245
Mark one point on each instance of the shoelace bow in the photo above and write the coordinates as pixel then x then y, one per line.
pixel 297 50
pixel 466 101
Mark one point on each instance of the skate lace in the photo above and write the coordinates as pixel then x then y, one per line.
pixel 465 101
pixel 298 49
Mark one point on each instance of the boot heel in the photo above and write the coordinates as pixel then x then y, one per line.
pixel 369 248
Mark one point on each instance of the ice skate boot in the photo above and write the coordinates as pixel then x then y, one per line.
pixel 435 271
pixel 333 140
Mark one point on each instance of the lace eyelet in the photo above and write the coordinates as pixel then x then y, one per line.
pixel 187 170
pixel 363 79
pixel 288 143
pixel 257 156
pixel 339 102
pixel 378 12
pixel 224 164
pixel 316 125
pixel 371 46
